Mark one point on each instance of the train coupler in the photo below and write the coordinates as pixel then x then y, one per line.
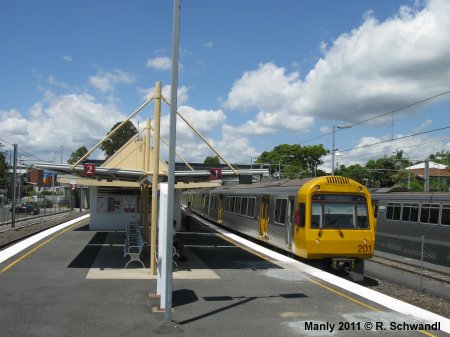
pixel 343 264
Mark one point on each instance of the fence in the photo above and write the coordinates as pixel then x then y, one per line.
pixel 31 212
pixel 426 253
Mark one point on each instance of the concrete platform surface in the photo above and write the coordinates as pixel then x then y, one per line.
pixel 73 283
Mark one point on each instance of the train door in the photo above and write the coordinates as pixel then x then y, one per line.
pixel 264 217
pixel 300 230
pixel 289 222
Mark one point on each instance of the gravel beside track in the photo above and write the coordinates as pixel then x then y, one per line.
pixel 10 236
pixel 440 306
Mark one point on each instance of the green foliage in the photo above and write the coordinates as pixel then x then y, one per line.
pixel 294 161
pixel 4 167
pixel 355 172
pixel 3 162
pixel 77 154
pixel 442 157
pixel 212 160
pixel 119 138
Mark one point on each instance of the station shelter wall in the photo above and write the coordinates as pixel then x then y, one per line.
pixel 113 209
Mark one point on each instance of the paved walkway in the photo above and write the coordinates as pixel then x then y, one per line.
pixel 72 283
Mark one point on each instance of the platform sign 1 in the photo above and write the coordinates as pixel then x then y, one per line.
pixel 89 169
pixel 216 173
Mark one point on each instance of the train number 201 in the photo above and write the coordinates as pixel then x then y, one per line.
pixel 364 248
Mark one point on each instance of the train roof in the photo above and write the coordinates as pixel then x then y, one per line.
pixel 287 186
pixel 290 186
pixel 412 196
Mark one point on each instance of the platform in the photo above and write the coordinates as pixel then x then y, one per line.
pixel 73 283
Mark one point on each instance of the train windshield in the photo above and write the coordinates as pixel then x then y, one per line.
pixel 337 211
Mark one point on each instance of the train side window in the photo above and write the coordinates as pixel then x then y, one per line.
pixel 397 211
pixel 251 207
pixel 445 218
pixel 410 212
pixel 429 213
pixel 283 211
pixel 414 217
pixel 244 205
pixel 227 204
pixel 389 210
pixel 362 218
pixel 301 210
pixel 280 211
pixel 406 212
pixel 393 210
pixel 237 205
pixel 277 210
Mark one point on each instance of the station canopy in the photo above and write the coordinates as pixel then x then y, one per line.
pixel 131 166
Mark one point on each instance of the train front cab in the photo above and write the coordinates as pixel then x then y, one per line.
pixel 334 222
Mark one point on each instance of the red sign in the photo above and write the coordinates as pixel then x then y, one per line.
pixel 216 173
pixel 89 169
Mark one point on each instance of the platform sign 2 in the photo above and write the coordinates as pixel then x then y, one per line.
pixel 216 173
pixel 89 169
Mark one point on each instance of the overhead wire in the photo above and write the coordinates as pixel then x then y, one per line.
pixel 398 138
pixel 382 115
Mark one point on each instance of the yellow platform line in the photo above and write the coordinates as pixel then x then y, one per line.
pixel 312 281
pixel 37 247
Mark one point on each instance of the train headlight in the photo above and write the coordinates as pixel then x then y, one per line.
pixel 317 187
pixel 360 188
pixel 317 241
pixel 364 241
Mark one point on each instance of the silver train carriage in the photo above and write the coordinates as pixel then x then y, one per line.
pixel 403 218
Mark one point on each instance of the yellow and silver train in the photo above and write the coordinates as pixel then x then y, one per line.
pixel 326 218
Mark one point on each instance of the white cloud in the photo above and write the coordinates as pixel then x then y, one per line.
pixel 381 66
pixel 182 93
pixel 67 58
pixel 274 94
pixel 70 120
pixel 374 69
pixel 204 121
pixel 52 80
pixel 159 63
pixel 106 81
pixel 208 44
pixel 427 123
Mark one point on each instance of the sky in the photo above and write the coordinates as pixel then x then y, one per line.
pixel 252 75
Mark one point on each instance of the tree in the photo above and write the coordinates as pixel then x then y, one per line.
pixel 212 160
pixel 119 138
pixel 4 167
pixel 77 154
pixel 382 170
pixel 294 160
pixel 356 172
pixel 3 163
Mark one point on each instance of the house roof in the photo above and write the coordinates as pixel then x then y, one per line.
pixel 432 172
pixel 431 164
